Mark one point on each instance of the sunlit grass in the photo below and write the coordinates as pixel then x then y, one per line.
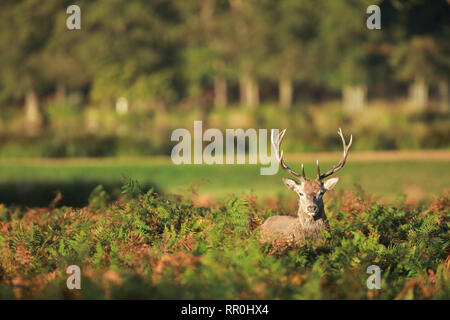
pixel 388 179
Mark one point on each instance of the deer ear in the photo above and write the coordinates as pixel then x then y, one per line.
pixel 330 183
pixel 290 183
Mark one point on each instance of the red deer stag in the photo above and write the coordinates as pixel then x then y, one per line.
pixel 311 218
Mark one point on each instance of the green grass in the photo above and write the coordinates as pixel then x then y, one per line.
pixel 389 180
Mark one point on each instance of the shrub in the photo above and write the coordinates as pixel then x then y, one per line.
pixel 311 128
pixel 145 245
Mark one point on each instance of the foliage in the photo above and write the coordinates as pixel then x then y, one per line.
pixel 311 128
pixel 161 51
pixel 152 246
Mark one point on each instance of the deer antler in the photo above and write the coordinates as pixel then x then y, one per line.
pixel 276 142
pixel 341 163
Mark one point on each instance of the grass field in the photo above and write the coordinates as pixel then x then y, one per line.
pixel 35 181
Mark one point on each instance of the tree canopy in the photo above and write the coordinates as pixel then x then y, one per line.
pixel 166 51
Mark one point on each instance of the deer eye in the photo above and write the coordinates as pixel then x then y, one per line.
pixel 300 194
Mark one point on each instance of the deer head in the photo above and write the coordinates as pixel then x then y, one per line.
pixel 310 191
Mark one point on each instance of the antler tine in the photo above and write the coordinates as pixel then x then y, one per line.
pixel 318 169
pixel 342 162
pixel 279 153
pixel 303 172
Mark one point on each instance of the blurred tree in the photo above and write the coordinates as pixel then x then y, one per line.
pixel 290 26
pixel 205 58
pixel 245 27
pixel 153 54
pixel 64 65
pixel 421 61
pixel 131 52
pixel 342 50
pixel 421 52
pixel 24 30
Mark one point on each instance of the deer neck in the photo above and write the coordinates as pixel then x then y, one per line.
pixel 308 221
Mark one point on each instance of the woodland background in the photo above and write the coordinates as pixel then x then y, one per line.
pixel 137 70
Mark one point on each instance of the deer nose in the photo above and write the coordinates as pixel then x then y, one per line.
pixel 313 208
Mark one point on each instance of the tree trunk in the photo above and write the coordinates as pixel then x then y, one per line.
pixel 443 94
pixel 249 91
pixel 254 102
pixel 220 92
pixel 60 92
pixel 243 91
pixel 418 94
pixel 354 97
pixel 33 117
pixel 285 93
pixel 161 119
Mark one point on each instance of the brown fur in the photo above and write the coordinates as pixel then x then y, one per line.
pixel 311 213
pixel 305 225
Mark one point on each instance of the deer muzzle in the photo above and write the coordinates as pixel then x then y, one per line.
pixel 312 210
